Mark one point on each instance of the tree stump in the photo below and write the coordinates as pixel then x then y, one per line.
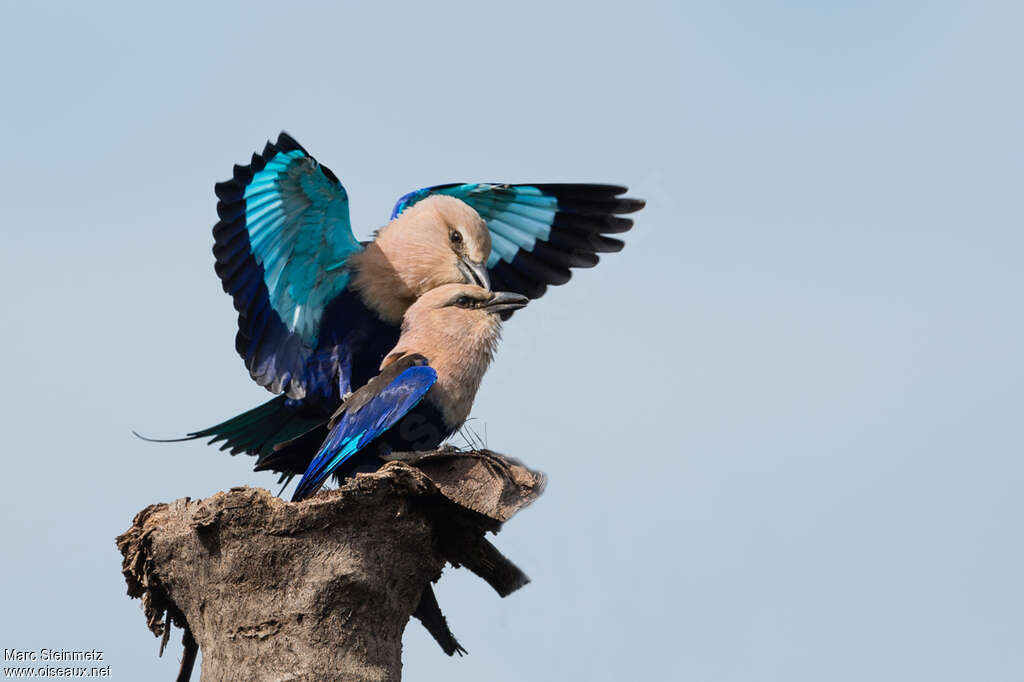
pixel 321 589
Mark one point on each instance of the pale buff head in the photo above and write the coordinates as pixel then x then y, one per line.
pixel 439 240
pixel 457 327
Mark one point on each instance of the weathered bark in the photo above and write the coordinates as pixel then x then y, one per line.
pixel 321 589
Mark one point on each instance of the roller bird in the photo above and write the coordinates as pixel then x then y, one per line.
pixel 426 385
pixel 318 309
pixel 423 393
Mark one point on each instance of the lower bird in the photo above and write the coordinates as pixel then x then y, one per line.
pixel 425 388
pixel 423 394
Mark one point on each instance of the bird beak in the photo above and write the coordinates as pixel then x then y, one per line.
pixel 505 301
pixel 475 273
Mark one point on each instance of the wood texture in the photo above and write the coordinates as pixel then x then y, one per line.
pixel 321 589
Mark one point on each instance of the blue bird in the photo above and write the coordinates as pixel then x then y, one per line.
pixel 426 385
pixel 318 309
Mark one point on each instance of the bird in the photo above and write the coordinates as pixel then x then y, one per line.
pixel 318 309
pixel 426 384
pixel 422 394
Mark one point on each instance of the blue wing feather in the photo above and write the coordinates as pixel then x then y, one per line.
pixel 539 232
pixel 355 429
pixel 281 247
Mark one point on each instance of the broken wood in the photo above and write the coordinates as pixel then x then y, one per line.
pixel 321 589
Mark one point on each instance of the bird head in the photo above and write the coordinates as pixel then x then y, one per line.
pixel 457 327
pixel 458 315
pixel 446 241
pixel 445 235
pixel 439 240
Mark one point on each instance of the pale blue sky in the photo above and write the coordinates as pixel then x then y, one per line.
pixel 783 427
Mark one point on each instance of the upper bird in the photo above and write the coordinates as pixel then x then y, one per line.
pixel 318 310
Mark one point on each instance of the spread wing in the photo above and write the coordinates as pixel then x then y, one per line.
pixel 539 232
pixel 368 413
pixel 281 245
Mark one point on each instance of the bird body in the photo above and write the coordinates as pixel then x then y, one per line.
pixel 318 310
pixel 425 388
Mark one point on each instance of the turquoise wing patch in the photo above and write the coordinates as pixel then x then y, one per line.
pixel 281 246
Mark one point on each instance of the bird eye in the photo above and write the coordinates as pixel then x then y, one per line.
pixel 456 237
pixel 464 302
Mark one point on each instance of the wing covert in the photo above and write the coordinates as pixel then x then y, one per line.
pixel 367 414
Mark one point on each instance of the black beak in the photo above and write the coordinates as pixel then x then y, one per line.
pixel 475 273
pixel 505 301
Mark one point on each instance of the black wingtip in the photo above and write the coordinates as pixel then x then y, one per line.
pixel 630 205
pixel 286 142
